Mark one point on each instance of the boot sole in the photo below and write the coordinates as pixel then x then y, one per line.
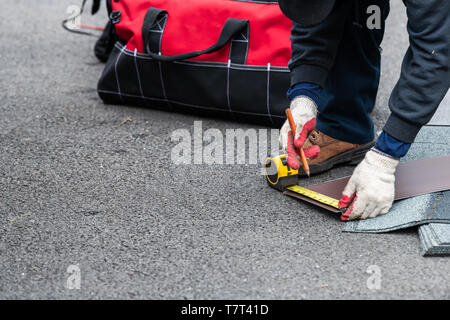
pixel 351 157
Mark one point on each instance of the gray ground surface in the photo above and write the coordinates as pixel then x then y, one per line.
pixel 162 231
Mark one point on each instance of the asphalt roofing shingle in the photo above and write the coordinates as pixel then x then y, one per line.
pixel 435 239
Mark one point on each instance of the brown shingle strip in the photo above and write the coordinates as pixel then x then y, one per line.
pixel 413 178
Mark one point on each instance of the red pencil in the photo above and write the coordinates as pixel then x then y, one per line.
pixel 302 153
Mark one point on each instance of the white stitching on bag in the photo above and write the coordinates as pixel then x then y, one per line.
pixel 228 85
pixel 137 73
pixel 211 64
pixel 268 92
pixel 117 74
pixel 187 104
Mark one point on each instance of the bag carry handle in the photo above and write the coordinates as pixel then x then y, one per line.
pixel 152 24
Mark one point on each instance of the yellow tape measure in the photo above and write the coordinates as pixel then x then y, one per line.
pixel 315 195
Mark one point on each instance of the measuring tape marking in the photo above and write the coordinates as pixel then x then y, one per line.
pixel 315 196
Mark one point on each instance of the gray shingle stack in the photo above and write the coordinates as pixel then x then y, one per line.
pixel 435 239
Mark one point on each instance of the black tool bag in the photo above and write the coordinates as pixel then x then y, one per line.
pixel 214 58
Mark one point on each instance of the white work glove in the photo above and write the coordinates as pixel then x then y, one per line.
pixel 371 189
pixel 304 112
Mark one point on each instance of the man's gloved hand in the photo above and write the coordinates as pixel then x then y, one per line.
pixel 371 189
pixel 304 112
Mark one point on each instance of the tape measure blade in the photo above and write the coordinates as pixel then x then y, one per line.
pixel 315 196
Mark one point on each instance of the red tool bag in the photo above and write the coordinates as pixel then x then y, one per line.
pixel 224 58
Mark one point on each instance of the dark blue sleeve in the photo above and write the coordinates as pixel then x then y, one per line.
pixel 310 90
pixel 391 146
pixel 425 76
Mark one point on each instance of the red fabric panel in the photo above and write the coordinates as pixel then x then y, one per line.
pixel 196 24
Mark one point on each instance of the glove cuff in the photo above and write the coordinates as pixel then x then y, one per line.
pixel 304 105
pixel 384 153
pixel 380 160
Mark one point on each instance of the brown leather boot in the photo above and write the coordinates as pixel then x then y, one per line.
pixel 333 152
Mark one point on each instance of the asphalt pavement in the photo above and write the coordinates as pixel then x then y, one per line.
pixel 91 187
